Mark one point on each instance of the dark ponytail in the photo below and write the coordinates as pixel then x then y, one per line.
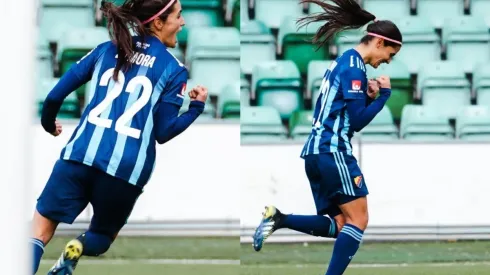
pixel 120 21
pixel 347 15
pixel 344 15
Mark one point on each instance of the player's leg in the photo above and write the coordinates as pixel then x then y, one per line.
pixel 355 210
pixel 42 232
pixel 321 173
pixel 62 200
pixel 113 200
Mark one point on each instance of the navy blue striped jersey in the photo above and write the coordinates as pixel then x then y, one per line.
pixel 344 80
pixel 116 130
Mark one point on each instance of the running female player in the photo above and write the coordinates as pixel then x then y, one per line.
pixel 138 89
pixel 346 104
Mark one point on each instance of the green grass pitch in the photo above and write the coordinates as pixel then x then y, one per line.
pixel 225 256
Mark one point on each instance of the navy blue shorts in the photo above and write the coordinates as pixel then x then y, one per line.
pixel 335 179
pixel 73 185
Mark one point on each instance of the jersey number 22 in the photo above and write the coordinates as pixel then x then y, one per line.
pixel 122 121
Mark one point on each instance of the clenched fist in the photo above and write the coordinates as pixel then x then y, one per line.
pixel 58 130
pixel 384 81
pixel 199 93
pixel 373 88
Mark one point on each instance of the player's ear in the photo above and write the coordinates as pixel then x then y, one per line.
pixel 158 24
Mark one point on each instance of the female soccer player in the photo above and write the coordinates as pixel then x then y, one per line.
pixel 138 89
pixel 346 104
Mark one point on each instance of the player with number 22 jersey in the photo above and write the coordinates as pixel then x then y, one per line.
pixel 136 91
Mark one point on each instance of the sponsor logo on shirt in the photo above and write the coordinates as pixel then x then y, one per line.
pixel 182 92
pixel 356 87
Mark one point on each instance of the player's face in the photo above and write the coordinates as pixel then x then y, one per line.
pixel 384 54
pixel 173 25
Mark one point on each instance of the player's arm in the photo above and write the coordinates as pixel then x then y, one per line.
pixel 79 74
pixel 360 113
pixel 168 122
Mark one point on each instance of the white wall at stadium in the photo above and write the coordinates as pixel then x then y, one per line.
pixel 205 175
pixel 195 176
pixel 409 184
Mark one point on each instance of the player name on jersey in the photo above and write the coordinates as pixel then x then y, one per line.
pixel 142 59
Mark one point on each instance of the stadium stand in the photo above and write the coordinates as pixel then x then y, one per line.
pixel 440 72
pixel 70 29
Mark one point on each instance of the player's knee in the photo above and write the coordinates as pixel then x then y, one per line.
pixel 361 220
pixel 95 244
pixel 43 228
pixel 340 224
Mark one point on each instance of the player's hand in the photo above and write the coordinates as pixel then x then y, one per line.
pixel 373 88
pixel 384 81
pixel 58 130
pixel 199 93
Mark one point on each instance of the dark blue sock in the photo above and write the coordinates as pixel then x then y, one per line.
pixel 315 225
pixel 344 249
pixel 38 250
pixel 94 244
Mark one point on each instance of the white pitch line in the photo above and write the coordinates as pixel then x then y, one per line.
pixel 375 265
pixel 154 262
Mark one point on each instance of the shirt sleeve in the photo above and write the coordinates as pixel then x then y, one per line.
pixel 79 74
pixel 354 84
pixel 354 88
pixel 176 88
pixel 52 103
pixel 168 122
pixel 84 67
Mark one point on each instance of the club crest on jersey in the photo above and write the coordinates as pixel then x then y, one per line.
pixel 182 92
pixel 356 85
pixel 358 180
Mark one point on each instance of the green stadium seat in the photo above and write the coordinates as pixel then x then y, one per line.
pixel 236 14
pixel 200 13
pixel 209 112
pixel 294 44
pixel 44 59
pixel 244 92
pixel 58 16
pixel 69 108
pixel 349 39
pixel 261 124
pixel 388 9
pixel 244 17
pixel 443 86
pixel 473 123
pixel 257 45
pixel 272 12
pixel 229 101
pixel 419 39
pixel 300 124
pixel 483 95
pixel 278 84
pixel 381 128
pixel 438 10
pixel 401 86
pixel 467 34
pixel 481 84
pixel 480 7
pixel 424 123
pixel 76 44
pixel 316 71
pixel 213 55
